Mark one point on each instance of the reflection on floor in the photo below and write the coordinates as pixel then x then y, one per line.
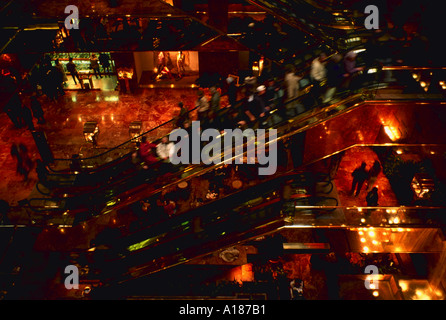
pixel 113 111
pixel 108 82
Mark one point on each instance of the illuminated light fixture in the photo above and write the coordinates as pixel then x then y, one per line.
pixel 111 99
pixel 172 85
pixel 371 233
pixel 423 84
pixel 362 220
pixel 441 83
pixel 91 132
pixel 359 50
pixel 396 220
pixel 135 130
pixel 362 240
pixel 375 293
pixel 375 242
pixel 255 69
pixel 365 249
pixel 399 151
pixel 372 70
pixel 392 132
pixel 415 76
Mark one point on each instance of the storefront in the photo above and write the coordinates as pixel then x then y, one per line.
pixel 105 79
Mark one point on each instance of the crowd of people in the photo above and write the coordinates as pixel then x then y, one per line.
pixel 260 102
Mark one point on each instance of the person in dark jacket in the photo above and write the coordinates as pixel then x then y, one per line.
pixel 359 176
pixel 27 117
pixel 71 67
pixel 37 110
pixel 372 197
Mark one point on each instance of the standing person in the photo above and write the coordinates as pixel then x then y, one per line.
pixel 4 210
pixel 27 117
pixel 334 76
pixel 372 198
pixel 183 115
pixel 24 162
pixel 37 110
pixel 71 67
pixel 254 109
pixel 231 91
pixel 105 62
pixel 57 81
pixel 373 175
pixel 165 149
pixel 12 109
pixel 61 69
pixel 94 64
pixel 261 93
pixel 202 105
pixel 359 176
pixel 161 62
pixel 318 74
pixel 215 99
pixel 15 153
pixel 180 63
pixel 292 83
pixel 350 69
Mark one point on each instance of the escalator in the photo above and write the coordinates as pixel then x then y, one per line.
pixel 246 214
pixel 121 255
pixel 76 176
pixel 139 184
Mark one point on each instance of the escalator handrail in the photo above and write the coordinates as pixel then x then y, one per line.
pixel 215 167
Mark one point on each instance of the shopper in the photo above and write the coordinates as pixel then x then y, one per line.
pixel 359 176
pixel 105 63
pixel 37 110
pixel 94 64
pixel 71 67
